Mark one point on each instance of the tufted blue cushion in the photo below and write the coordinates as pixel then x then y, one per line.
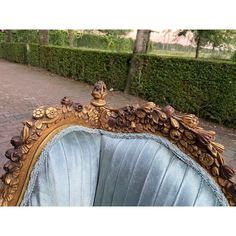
pixel 144 172
pixel 82 166
pixel 66 173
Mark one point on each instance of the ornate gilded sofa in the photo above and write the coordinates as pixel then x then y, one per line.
pixel 93 155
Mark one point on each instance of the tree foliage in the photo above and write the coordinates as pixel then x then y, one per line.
pixel 115 33
pixel 214 38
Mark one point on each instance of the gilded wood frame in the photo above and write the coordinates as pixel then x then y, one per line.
pixel 182 130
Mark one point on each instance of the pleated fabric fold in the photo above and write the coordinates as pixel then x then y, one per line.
pixel 89 167
pixel 68 171
pixel 143 172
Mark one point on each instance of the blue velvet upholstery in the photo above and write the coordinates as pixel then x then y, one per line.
pixel 82 166
pixel 66 174
pixel 142 172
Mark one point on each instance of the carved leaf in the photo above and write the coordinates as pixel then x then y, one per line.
pixel 175 134
pixel 162 115
pixel 38 124
pixel 25 133
pixel 215 171
pixel 226 172
pixel 219 147
pixel 174 123
pixel 212 150
pixel 64 109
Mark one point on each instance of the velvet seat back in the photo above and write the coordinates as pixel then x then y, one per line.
pixel 66 172
pixel 86 167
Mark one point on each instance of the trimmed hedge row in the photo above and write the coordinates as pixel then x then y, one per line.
pixel 203 87
pixel 15 52
pixel 33 54
pixel 234 56
pixel 2 37
pixel 86 65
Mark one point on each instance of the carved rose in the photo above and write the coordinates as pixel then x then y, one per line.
pixel 206 160
pixel 51 112
pixel 99 90
pixel 14 154
pixel 112 122
pixel 66 101
pixel 9 153
pixel 17 155
pixel 9 166
pixel 38 113
pixel 169 110
pixel 78 107
pixel 16 141
pixel 189 135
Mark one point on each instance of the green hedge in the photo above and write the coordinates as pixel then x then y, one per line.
pixel 15 52
pixel 33 54
pixel 86 65
pixel 2 37
pixel 233 58
pixel 203 87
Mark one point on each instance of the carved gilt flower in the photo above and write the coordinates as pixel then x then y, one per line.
pixel 66 101
pixel 206 160
pixel 51 112
pixel 175 134
pixel 190 120
pixel 38 113
pixel 99 90
pixel 78 107
pixel 169 110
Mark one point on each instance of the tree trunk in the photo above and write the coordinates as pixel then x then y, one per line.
pixel 140 46
pixel 198 46
pixel 8 36
pixel 213 47
pixel 142 41
pixel 43 37
pixel 71 38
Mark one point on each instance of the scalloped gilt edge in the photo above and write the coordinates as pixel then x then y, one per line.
pixel 182 130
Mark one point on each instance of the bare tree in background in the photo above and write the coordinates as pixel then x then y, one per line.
pixel 140 46
pixel 43 37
